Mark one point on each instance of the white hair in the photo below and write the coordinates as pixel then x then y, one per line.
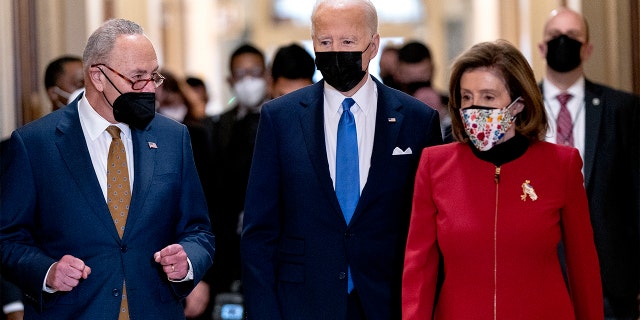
pixel 370 12
pixel 102 41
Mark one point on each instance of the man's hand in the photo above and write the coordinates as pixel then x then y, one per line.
pixel 66 273
pixel 18 315
pixel 173 259
pixel 197 300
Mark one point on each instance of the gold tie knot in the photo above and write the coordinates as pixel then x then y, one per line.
pixel 114 131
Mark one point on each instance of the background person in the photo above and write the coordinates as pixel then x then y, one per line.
pixel 495 205
pixel 234 133
pixel 413 76
pixel 11 301
pixel 603 124
pixel 389 66
pixel 62 77
pixel 319 243
pixel 292 68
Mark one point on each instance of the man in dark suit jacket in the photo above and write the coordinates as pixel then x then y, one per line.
pixel 58 238
pixel 605 126
pixel 300 254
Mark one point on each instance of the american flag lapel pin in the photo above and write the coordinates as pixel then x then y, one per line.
pixel 392 120
pixel 152 145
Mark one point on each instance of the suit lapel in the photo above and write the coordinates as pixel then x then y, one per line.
pixel 312 124
pixel 73 149
pixel 144 164
pixel 594 100
pixel 388 123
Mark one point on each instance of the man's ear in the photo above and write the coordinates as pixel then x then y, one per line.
pixel 95 75
pixel 375 45
pixel 586 51
pixel 51 93
pixel 543 50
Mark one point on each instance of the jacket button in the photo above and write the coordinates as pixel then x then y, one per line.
pixel 342 275
pixel 123 249
pixel 115 292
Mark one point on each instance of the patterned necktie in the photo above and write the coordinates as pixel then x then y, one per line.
pixel 118 196
pixel 347 167
pixel 564 132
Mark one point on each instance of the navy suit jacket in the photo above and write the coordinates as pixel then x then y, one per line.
pixel 296 245
pixel 612 180
pixel 52 205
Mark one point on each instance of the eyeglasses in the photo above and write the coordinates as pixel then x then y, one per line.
pixel 157 78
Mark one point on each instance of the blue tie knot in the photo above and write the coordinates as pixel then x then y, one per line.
pixel 347 103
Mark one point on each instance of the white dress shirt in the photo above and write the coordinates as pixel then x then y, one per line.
pixel 94 128
pixel 364 111
pixel 576 107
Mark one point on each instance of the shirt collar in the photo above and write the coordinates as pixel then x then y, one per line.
pixel 551 91
pixel 94 123
pixel 365 97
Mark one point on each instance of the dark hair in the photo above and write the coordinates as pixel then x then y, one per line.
pixel 243 49
pixel 55 69
pixel 292 62
pixel 195 82
pixel 413 52
pixel 518 76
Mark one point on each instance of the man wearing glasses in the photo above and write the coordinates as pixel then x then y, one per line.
pixel 103 216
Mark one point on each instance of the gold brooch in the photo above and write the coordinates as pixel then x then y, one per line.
pixel 527 189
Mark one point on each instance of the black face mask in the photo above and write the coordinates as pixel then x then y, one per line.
pixel 341 69
pixel 136 109
pixel 563 53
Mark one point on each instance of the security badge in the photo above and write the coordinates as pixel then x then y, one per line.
pixel 527 190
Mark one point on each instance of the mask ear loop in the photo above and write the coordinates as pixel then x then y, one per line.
pixel 113 85
pixel 61 92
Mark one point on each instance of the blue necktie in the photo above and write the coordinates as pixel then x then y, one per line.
pixel 347 167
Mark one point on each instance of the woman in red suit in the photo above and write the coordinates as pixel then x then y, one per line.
pixel 492 208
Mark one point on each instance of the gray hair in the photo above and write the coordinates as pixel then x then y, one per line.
pixel 102 40
pixel 370 12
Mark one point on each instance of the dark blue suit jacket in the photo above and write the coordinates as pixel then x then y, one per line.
pixel 296 245
pixel 52 205
pixel 612 181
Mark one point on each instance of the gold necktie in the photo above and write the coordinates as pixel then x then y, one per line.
pixel 118 195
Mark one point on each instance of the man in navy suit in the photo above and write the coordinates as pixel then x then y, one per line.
pixel 604 127
pixel 58 238
pixel 302 257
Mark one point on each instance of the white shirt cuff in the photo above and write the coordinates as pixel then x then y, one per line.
pixel 189 275
pixel 13 307
pixel 45 288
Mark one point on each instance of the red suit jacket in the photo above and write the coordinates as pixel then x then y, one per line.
pixel 498 238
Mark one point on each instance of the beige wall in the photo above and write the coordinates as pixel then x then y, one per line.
pixel 195 37
pixel 7 72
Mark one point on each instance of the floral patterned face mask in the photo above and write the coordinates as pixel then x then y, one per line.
pixel 486 126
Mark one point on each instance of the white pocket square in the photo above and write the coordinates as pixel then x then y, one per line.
pixel 397 151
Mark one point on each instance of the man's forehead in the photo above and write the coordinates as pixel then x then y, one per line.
pixel 565 21
pixel 135 53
